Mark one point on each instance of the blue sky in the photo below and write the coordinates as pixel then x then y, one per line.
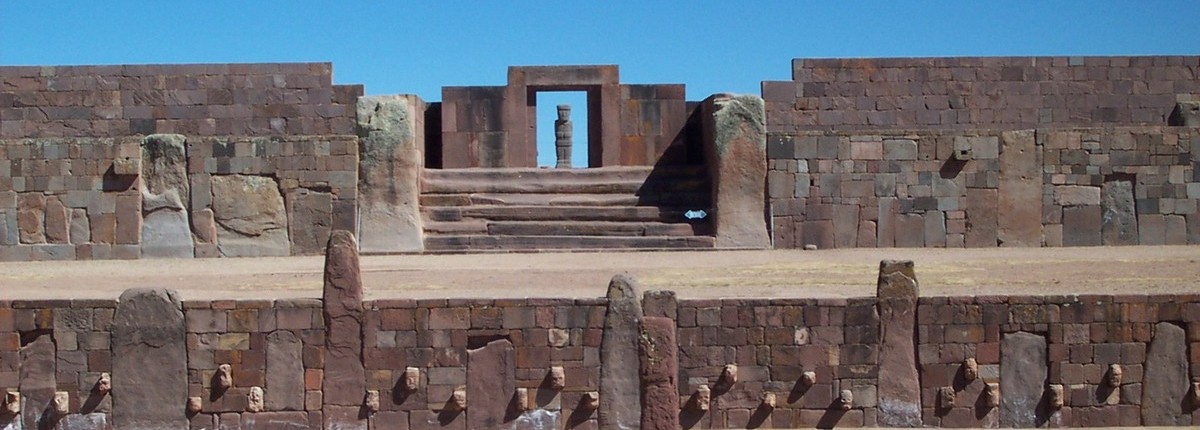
pixel 712 46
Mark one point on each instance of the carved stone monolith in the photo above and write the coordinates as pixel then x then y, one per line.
pixel 149 361
pixel 563 131
pixel 900 391
pixel 344 376
pixel 620 384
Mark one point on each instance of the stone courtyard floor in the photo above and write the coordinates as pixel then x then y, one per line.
pixel 703 274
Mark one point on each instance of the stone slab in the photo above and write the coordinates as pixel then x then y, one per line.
pixel 899 393
pixel 1081 225
pixel 391 160
pixel 491 383
pixel 344 376
pixel 37 379
pixel 1020 223
pixel 620 383
pixel 736 155
pixel 250 216
pixel 149 361
pixel 165 188
pixel 982 218
pixel 285 389
pixel 1119 220
pixel 1166 382
pixel 659 374
pixel 1023 373
pixel 310 215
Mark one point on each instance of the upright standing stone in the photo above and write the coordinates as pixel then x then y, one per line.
pixel 391 155
pixel 563 131
pixel 491 382
pixel 37 379
pixel 1166 381
pixel 660 373
pixel 166 230
pixel 1118 225
pixel 899 384
pixel 1020 210
pixel 345 378
pixel 735 149
pixel 149 361
pixel 1023 371
pixel 620 385
pixel 285 391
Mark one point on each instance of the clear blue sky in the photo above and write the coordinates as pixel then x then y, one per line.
pixel 712 46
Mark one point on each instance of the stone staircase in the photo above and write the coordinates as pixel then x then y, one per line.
pixel 533 209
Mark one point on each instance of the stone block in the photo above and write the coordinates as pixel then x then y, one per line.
pixel 149 361
pixel 310 215
pixel 1020 182
pixel 250 216
pixel 899 149
pixel 165 189
pixel 57 221
pixel 899 393
pixel 735 153
pixel 1152 229
pixel 659 374
pixel 31 214
pixel 1023 379
pixel 344 375
pixel 910 231
pixel 490 384
pixel 81 229
pixel 1165 382
pixel 284 390
pixel 391 158
pixel 1076 195
pixel 1119 225
pixel 620 382
pixel 982 218
pixel 1081 225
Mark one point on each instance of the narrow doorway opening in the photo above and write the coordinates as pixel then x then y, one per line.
pixel 547 115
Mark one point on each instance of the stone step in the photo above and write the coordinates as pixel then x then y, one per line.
pixel 555 213
pixel 460 243
pixel 607 180
pixel 567 228
pixel 696 200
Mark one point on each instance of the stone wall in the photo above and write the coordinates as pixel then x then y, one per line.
pixel 174 196
pixel 193 99
pixel 986 361
pixel 975 92
pixel 983 188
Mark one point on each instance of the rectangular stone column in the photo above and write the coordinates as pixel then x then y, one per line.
pixel 1020 208
pixel 735 150
pixel 166 229
pixel 899 384
pixel 660 373
pixel 1023 373
pixel 149 361
pixel 344 382
pixel 620 385
pixel 391 132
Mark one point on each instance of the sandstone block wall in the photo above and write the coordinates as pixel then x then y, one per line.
pixel 1044 187
pixel 83 198
pixel 278 346
pixel 974 92
pixel 193 99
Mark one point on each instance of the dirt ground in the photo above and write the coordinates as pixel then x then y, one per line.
pixel 701 274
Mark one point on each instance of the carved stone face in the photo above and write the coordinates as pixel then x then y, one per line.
pixel 991 394
pixel 729 375
pixel 254 399
pixel 62 403
pixel 371 401
pixel 846 400
pixel 808 378
pixel 564 112
pixel 12 403
pixel 1056 396
pixel 459 399
pixel 522 399
pixel 194 405
pixel 970 369
pixel 703 397
pixel 590 400
pixel 412 378
pixel 558 378
pixel 1115 375
pixel 104 384
pixel 224 377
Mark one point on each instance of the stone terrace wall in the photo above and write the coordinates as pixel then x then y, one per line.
pixel 973 92
pixel 122 198
pixel 529 363
pixel 1045 187
pixel 192 99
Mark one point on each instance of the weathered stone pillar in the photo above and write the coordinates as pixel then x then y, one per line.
pixel 391 132
pixel 149 361
pixel 620 384
pixel 1165 386
pixel 344 381
pixel 1019 209
pixel 735 149
pixel 37 379
pixel 1023 373
pixel 166 229
pixel 491 382
pixel 899 382
pixel 563 131
pixel 660 372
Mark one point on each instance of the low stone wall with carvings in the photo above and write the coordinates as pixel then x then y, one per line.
pixel 984 188
pixel 895 359
pixel 174 196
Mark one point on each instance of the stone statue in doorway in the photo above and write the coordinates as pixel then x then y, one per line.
pixel 562 137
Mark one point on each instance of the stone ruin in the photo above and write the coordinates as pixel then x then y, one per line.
pixel 631 359
pixel 150 161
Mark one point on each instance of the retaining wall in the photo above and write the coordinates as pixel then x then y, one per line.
pixel 887 360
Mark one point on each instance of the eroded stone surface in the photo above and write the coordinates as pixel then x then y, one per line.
pixel 900 392
pixel 166 231
pixel 735 129
pixel 149 361
pixel 250 216
pixel 311 214
pixel 285 391
pixel 1165 383
pixel 491 382
pixel 1119 222
pixel 620 384
pixel 344 374
pixel 37 378
pixel 1020 223
pixel 659 374
pixel 391 129
pixel 1023 371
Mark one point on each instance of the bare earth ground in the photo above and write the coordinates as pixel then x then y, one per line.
pixel 703 274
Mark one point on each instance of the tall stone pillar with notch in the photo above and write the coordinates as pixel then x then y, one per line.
pixel 391 131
